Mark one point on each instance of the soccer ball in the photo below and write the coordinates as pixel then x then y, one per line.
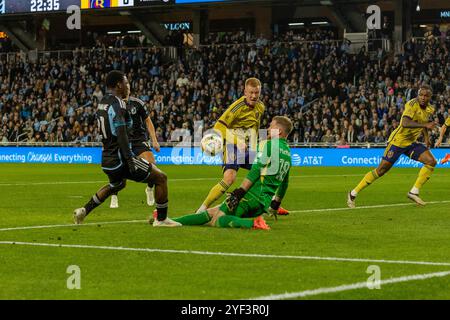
pixel 211 144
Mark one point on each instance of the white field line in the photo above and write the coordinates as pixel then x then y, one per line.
pixel 72 225
pixel 185 179
pixel 141 221
pixel 222 254
pixel 353 286
pixel 366 207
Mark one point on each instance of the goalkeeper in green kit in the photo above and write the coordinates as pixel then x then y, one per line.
pixel 260 192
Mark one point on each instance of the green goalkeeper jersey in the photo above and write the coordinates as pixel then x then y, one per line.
pixel 270 170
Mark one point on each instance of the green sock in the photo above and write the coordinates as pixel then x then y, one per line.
pixel 193 219
pixel 234 222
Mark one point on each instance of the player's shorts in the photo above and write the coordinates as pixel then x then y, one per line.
pixel 118 175
pixel 235 159
pixel 139 147
pixel 249 207
pixel 413 151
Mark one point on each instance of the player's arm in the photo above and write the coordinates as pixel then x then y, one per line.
pixel 224 123
pixel 426 137
pixel 441 134
pixel 152 133
pixel 279 195
pixel 408 122
pixel 255 130
pixel 120 125
pixel 281 192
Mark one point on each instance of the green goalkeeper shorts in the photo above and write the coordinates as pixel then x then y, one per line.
pixel 249 207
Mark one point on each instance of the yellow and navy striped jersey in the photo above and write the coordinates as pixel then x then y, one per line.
pixel 403 137
pixel 239 120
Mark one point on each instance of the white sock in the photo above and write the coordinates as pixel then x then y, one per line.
pixel 354 193
pixel 201 209
pixel 414 190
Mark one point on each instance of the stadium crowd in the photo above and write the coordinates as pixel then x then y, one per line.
pixel 332 95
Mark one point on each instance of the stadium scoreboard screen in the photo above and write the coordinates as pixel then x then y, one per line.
pixel 36 6
pixel 32 6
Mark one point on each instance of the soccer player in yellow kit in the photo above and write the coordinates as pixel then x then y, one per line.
pixel 240 122
pixel 403 140
pixel 441 137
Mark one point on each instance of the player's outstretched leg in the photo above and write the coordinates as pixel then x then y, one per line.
pixel 446 159
pixel 195 219
pixel 229 176
pixel 159 179
pixel 97 199
pixel 425 173
pixel 368 179
pixel 228 221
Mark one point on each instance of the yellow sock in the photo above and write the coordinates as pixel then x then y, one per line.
pixel 368 179
pixel 424 174
pixel 215 193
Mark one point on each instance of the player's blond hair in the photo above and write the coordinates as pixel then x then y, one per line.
pixel 252 82
pixel 285 123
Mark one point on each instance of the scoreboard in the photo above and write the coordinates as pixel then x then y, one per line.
pixel 34 6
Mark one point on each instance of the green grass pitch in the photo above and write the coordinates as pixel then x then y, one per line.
pixel 172 263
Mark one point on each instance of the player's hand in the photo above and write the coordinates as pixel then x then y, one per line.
pixel 273 209
pixel 241 146
pixel 156 146
pixel 234 198
pixel 430 125
pixel 438 143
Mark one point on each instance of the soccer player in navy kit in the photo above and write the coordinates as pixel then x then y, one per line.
pixel 118 161
pixel 141 129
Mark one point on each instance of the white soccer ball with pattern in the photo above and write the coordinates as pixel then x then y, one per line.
pixel 211 144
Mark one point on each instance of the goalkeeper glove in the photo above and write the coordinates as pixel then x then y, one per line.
pixel 273 209
pixel 234 198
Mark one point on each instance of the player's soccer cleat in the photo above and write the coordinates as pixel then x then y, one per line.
pixel 166 223
pixel 260 224
pixel 282 212
pixel 153 217
pixel 415 197
pixel 351 200
pixel 79 215
pixel 114 202
pixel 150 197
pixel 446 158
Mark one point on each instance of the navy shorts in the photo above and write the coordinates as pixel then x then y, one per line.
pixel 413 151
pixel 235 159
pixel 116 176
pixel 139 147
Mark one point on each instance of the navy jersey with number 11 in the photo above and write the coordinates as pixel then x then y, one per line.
pixel 111 114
